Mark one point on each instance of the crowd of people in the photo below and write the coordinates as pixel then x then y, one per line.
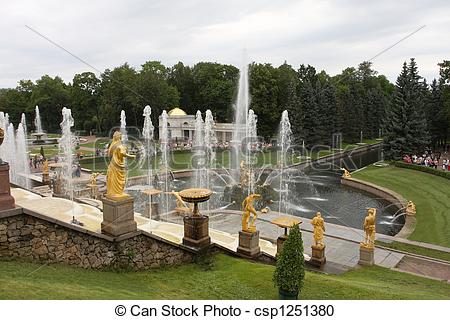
pixel 436 160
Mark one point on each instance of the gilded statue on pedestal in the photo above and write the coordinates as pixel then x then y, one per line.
pixel 319 230
pixel 411 208
pixel 116 174
pixel 346 174
pixel 369 229
pixel 247 210
pixel 45 167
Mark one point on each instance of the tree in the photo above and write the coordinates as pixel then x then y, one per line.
pixel 264 98
pixel 85 101
pixel 118 92
pixel 51 94
pixel 290 269
pixel 405 124
pixel 215 88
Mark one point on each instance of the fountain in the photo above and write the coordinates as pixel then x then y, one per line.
pixel 123 126
pixel 284 145
pixel 210 141
pixel 240 120
pixel 66 147
pixel 10 152
pixel 37 121
pixel 23 121
pixel 164 164
pixel 196 231
pixel 39 132
pixel 147 132
pixel 23 166
pixel 199 144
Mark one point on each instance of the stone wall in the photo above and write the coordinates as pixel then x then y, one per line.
pixel 390 196
pixel 38 238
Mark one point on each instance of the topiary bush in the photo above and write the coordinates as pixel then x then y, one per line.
pixel 290 270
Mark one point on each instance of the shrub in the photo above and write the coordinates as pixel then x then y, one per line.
pixel 436 172
pixel 290 270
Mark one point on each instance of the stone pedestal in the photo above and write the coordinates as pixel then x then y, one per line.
pixel 249 243
pixel 45 178
pixel 118 216
pixel 6 200
pixel 196 231
pixel 280 242
pixel 366 256
pixel 154 211
pixel 318 255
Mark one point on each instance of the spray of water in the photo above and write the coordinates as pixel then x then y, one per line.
pixel 37 121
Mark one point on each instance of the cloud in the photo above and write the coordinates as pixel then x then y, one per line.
pixel 330 35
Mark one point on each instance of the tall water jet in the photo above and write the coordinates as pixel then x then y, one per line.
pixel 198 145
pixel 284 144
pixel 164 167
pixel 22 166
pixel 240 118
pixel 23 121
pixel 37 121
pixel 147 132
pixel 123 126
pixel 210 141
pixel 251 144
pixel 66 147
pixel 9 153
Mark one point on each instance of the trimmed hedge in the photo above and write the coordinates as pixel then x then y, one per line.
pixel 436 172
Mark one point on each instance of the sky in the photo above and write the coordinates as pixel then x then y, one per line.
pixel 330 35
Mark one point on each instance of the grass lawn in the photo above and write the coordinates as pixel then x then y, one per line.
pixel 430 193
pixel 229 278
pixel 416 249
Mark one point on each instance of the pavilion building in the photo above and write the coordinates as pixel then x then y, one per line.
pixel 181 127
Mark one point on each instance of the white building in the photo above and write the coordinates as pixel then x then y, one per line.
pixel 181 127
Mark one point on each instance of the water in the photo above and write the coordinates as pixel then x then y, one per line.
pixel 9 154
pixel 22 166
pixel 66 148
pixel 23 121
pixel 164 170
pixel 240 118
pixel 210 141
pixel 199 146
pixel 147 132
pixel 285 137
pixel 251 146
pixel 123 126
pixel 37 121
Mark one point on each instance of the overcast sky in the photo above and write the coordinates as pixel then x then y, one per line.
pixel 329 35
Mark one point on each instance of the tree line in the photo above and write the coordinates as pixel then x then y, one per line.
pixel 409 114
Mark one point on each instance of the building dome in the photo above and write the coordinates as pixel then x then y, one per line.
pixel 177 112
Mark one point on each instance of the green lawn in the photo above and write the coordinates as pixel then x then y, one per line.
pixel 229 278
pixel 415 249
pixel 430 193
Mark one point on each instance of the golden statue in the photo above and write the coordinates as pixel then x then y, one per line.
pixel 116 175
pixel 369 228
pixel 181 207
pixel 319 229
pixel 45 167
pixel 93 179
pixel 346 174
pixel 247 210
pixel 410 208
